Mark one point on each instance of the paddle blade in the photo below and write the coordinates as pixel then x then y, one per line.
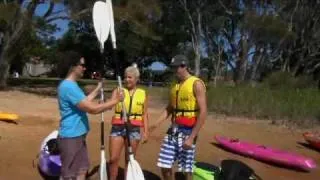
pixel 134 171
pixel 112 31
pixel 103 168
pixel 101 21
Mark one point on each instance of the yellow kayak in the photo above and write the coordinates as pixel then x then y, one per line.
pixel 8 116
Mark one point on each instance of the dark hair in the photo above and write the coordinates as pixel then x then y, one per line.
pixel 67 60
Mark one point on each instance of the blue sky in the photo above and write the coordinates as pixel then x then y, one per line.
pixel 62 24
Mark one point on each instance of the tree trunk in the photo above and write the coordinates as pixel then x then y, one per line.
pixel 12 37
pixel 197 34
pixel 4 69
pixel 243 59
pixel 197 61
pixel 256 64
pixel 217 68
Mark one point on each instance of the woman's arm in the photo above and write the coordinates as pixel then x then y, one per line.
pixel 95 92
pixel 95 108
pixel 145 128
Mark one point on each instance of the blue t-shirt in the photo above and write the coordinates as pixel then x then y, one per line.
pixel 74 122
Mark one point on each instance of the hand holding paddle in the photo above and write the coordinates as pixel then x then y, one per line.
pixel 101 23
pixel 134 171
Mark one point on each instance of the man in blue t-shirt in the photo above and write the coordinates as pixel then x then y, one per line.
pixel 74 106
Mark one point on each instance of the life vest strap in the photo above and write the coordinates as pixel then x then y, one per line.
pixel 184 111
pixel 134 114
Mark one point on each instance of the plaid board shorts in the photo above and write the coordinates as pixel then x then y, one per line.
pixel 171 150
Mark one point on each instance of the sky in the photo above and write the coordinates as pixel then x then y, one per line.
pixel 62 24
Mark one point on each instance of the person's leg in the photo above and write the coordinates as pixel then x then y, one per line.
pixel 83 161
pixel 186 159
pixel 135 138
pixel 167 156
pixel 115 148
pixel 68 149
pixel 167 173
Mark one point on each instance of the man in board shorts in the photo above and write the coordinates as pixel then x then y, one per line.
pixel 74 126
pixel 188 109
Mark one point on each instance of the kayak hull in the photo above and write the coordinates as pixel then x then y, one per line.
pixel 50 165
pixel 8 116
pixel 267 154
pixel 312 139
pixel 205 171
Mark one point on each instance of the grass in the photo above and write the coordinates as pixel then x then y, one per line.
pixel 296 105
pixel 262 102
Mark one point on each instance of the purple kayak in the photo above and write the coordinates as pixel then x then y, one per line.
pixel 267 154
pixel 49 164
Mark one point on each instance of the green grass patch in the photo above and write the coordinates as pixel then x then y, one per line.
pixel 262 102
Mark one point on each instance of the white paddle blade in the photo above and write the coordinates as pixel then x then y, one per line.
pixel 101 21
pixel 134 171
pixel 103 168
pixel 112 31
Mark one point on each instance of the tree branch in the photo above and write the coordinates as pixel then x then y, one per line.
pixel 31 8
pixel 81 13
pixel 224 7
pixel 49 11
pixel 57 18
pixel 294 11
pixel 184 5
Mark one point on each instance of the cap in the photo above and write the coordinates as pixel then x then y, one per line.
pixel 179 60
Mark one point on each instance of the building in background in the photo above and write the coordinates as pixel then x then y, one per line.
pixel 36 67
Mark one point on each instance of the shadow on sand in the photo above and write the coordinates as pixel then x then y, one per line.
pixel 308 146
pixel 9 121
pixel 267 162
pixel 94 174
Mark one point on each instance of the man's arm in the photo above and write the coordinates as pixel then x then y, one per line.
pixel 164 115
pixel 200 94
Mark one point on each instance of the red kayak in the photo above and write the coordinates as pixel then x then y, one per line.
pixel 267 154
pixel 312 139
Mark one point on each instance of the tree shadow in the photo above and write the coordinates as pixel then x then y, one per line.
pixel 296 169
pixel 308 146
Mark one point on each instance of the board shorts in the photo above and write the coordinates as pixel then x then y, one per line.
pixel 172 150
pixel 74 156
pixel 120 130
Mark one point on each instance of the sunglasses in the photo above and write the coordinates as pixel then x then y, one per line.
pixel 83 65
pixel 181 66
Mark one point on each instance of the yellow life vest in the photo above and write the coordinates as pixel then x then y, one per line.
pixel 134 107
pixel 184 102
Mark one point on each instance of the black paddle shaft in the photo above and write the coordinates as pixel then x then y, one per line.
pixel 102 70
pixel 128 125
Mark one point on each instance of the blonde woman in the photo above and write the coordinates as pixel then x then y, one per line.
pixel 135 100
